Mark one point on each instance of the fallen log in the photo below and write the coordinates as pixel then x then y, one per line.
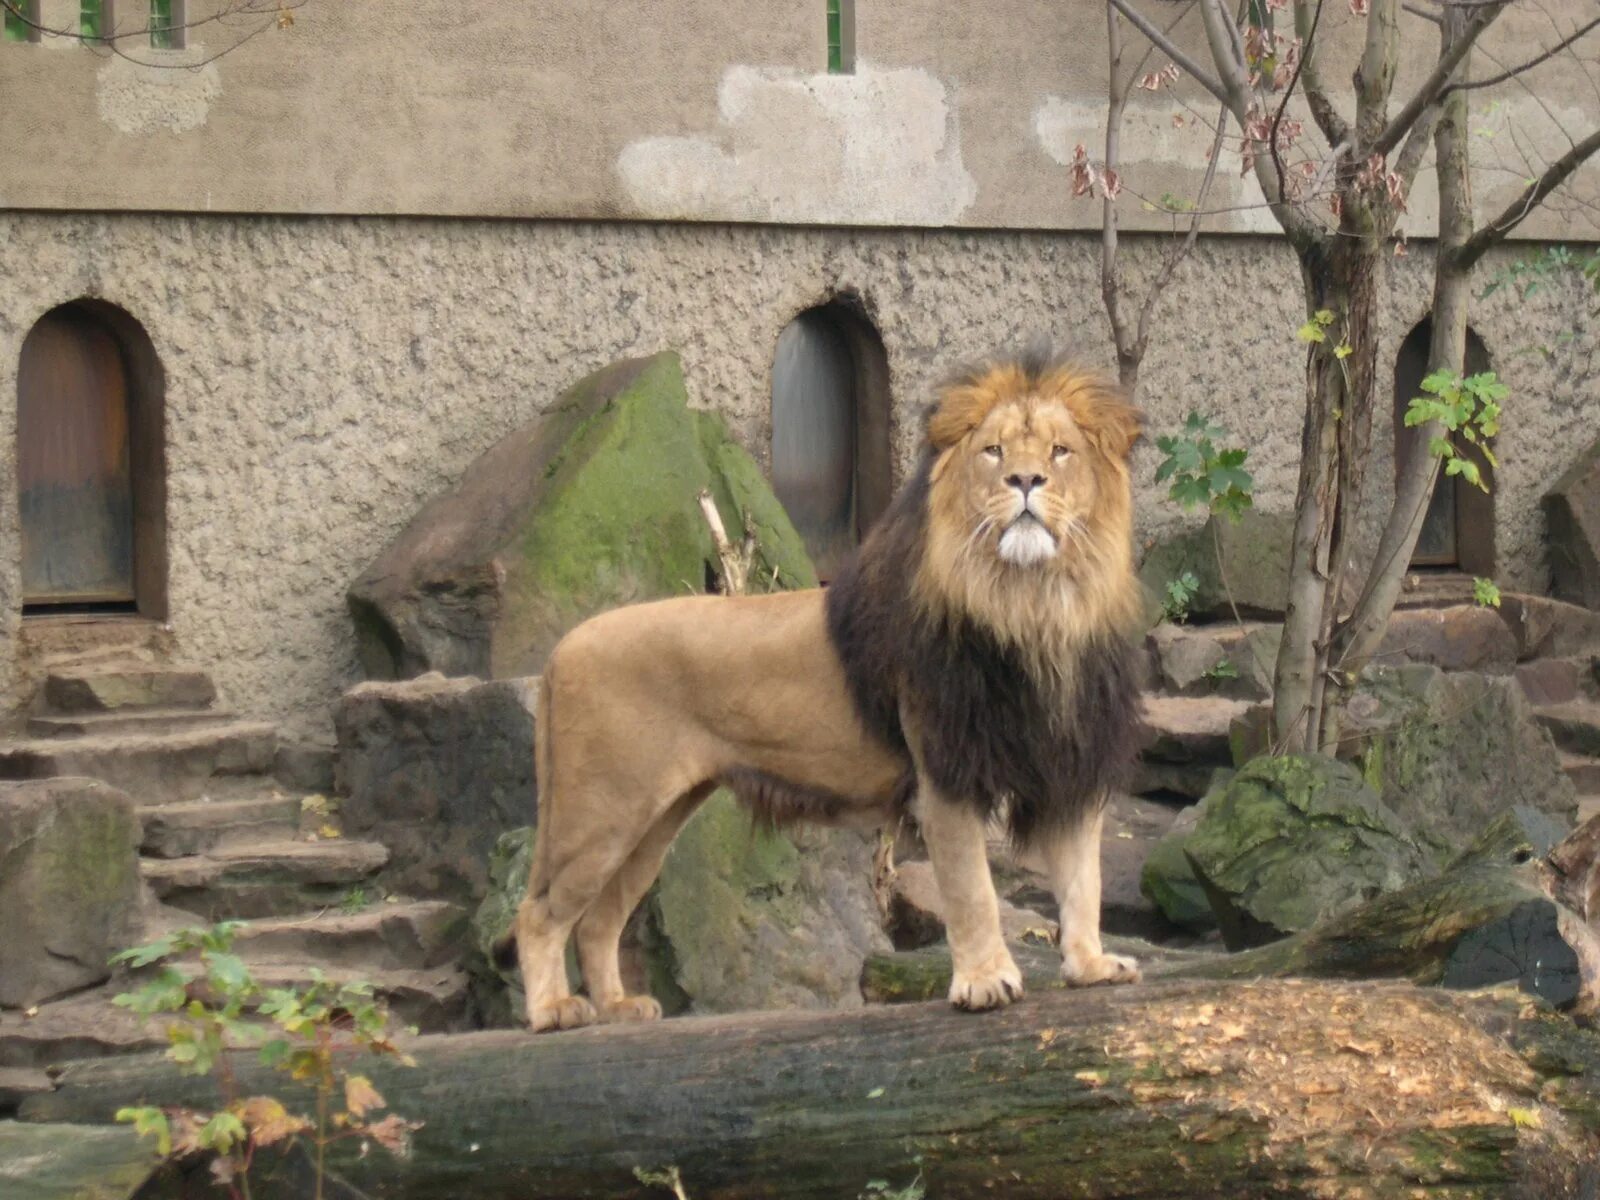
pixel 1173 1089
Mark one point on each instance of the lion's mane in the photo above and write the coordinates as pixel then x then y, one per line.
pixel 1021 685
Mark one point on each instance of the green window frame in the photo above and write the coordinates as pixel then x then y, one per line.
pixel 21 23
pixel 841 37
pixel 167 25
pixel 94 20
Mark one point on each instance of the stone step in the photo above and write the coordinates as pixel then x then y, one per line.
pixel 265 879
pixel 130 721
pixel 433 999
pixel 1575 726
pixel 1548 681
pixel 410 935
pixel 1583 770
pixel 1588 807
pixel 153 768
pixel 188 827
pixel 110 688
pixel 18 1083
pixel 83 1026
pixel 1184 729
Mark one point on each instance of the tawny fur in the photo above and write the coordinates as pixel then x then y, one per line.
pixel 809 708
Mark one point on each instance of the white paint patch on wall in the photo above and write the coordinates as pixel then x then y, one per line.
pixel 879 147
pixel 138 99
pixel 1150 142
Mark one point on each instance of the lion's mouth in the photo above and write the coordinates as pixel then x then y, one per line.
pixel 1026 541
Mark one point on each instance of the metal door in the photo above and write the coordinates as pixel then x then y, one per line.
pixel 814 437
pixel 73 472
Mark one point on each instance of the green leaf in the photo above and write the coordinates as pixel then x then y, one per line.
pixel 1486 593
pixel 222 1132
pixel 1191 492
pixel 149 1121
pixel 1222 479
pixel 228 974
pixel 1311 332
pixel 1343 350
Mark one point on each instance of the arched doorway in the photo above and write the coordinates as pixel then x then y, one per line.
pixel 830 428
pixel 1459 528
pixel 90 464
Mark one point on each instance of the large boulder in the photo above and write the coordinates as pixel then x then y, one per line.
pixel 1290 841
pixel 756 919
pixel 741 918
pixel 69 885
pixel 1572 517
pixel 437 769
pixel 1247 560
pixel 1168 880
pixel 1451 751
pixel 590 506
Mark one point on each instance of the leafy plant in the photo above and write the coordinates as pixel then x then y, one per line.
pixel 1468 408
pixel 1315 332
pixel 303 1032
pixel 1180 595
pixel 1527 275
pixel 669 1178
pixel 1201 474
pixel 355 900
pixel 1486 593
pixel 1224 669
pixel 882 1189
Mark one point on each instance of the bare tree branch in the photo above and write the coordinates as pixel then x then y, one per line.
pixel 1436 82
pixel 1513 72
pixel 1170 48
pixel 1496 231
pixel 1334 127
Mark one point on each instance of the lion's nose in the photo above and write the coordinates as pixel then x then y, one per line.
pixel 1025 483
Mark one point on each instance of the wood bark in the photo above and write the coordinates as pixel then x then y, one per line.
pixel 1287 1088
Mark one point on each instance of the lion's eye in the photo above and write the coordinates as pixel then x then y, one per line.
pixel 1059 452
pixel 993 452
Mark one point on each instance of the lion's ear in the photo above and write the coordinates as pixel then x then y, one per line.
pixel 1112 424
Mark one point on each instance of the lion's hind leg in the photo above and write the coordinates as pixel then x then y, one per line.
pixel 1071 858
pixel 600 928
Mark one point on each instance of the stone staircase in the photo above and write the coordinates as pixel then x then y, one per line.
pixel 223 836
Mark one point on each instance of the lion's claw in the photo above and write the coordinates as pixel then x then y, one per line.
pixel 570 1012
pixel 994 985
pixel 631 1008
pixel 1088 970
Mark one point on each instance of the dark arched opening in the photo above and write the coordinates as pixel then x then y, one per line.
pixel 830 428
pixel 91 464
pixel 1459 528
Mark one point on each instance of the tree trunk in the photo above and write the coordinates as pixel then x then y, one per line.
pixel 1418 475
pixel 1166 1090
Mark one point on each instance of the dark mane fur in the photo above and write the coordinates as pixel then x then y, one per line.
pixel 987 733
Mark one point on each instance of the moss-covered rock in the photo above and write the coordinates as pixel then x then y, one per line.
pixel 1451 751
pixel 1168 880
pixel 757 919
pixel 1290 841
pixel 590 506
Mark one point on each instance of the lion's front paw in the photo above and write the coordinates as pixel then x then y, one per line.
pixel 570 1012
pixel 994 984
pixel 631 1008
pixel 1085 970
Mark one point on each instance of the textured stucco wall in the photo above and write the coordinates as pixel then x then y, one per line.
pixel 960 114
pixel 326 376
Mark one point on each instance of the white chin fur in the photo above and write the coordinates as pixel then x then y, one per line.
pixel 1026 543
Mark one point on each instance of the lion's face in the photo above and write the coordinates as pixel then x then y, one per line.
pixel 1029 481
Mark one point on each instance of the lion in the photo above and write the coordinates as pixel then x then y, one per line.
pixel 975 662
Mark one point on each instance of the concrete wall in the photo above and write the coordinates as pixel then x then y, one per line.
pixel 326 376
pixel 960 114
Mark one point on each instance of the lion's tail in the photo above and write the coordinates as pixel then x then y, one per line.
pixel 503 952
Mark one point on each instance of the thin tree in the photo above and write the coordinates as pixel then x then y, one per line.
pixel 1338 193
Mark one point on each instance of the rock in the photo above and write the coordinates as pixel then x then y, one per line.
pixel 590 506
pixel 1253 560
pixel 1134 827
pixel 437 769
pixel 1549 681
pixel 1168 880
pixel 1459 638
pixel 1547 628
pixel 1187 742
pixel 1290 841
pixel 1572 517
pixel 1450 751
pixel 69 885
pixel 53 1161
pixel 757 920
pixel 1222 659
pixel 740 919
